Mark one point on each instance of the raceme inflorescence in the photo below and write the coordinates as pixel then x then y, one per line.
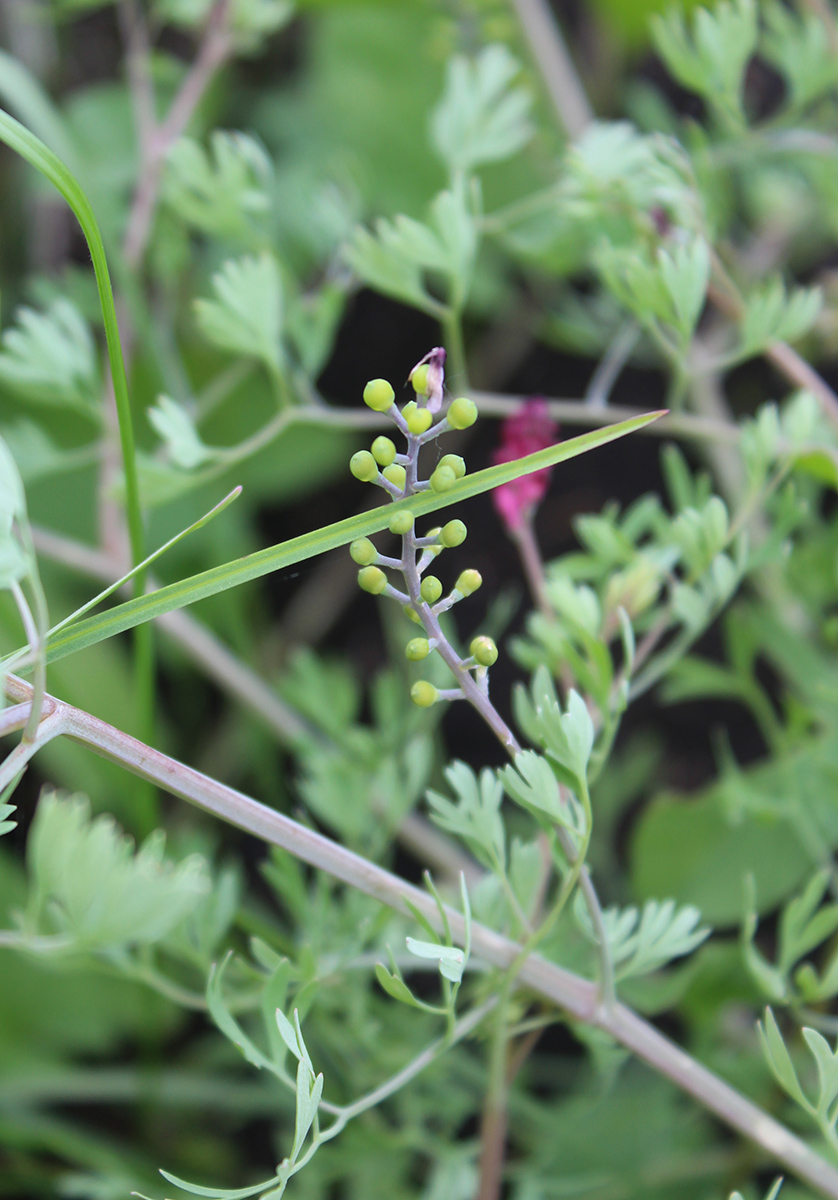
pixel 422 421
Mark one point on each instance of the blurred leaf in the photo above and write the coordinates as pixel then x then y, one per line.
pixel 182 440
pixel 218 191
pixel 246 315
pixel 480 117
pixel 89 882
pixel 50 358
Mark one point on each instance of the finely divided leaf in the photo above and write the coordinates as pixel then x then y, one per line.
pixel 246 315
pixel 481 118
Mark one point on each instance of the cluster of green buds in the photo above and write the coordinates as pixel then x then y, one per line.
pixel 422 597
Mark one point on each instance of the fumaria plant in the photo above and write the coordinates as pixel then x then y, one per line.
pixel 447 914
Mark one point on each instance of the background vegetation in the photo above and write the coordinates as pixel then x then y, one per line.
pixel 613 208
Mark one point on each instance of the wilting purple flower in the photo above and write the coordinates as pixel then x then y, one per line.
pixel 529 429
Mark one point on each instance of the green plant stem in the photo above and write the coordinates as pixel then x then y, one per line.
pixel 457 366
pixel 577 996
pixel 35 633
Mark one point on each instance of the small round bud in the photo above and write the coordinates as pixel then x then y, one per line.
pixel 401 523
pixel 383 451
pixel 363 552
pixel 468 582
pixel 417 649
pixel 453 534
pixel 443 479
pixel 396 474
pixel 484 651
pixel 419 420
pixel 431 589
pixel 424 694
pixel 462 413
pixel 412 615
pixel 420 380
pixel 379 395
pixel 363 466
pixel 456 464
pixel 372 580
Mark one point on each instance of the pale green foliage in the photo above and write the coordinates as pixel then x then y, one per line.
pixel 824 1110
pixel 614 169
pixel 710 60
pixel 89 882
pixel 246 315
pixel 309 1085
pixel 532 783
pixel 220 190
pixel 450 958
pixel 50 357
pixel 14 562
pixel 396 257
pixel 182 440
pixel 773 315
pixel 252 20
pixel 643 941
pixel 701 535
pixel 805 924
pixel 671 288
pixel 772 1193
pixel 566 737
pixel 476 816
pixel 481 118
pixel 798 46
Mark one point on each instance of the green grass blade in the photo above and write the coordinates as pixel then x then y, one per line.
pixel 39 155
pixel 286 554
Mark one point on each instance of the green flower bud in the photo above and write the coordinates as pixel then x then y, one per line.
pixel 420 380
pixel 443 479
pixel 431 589
pixel 456 464
pixel 363 552
pixel 396 474
pixel 417 649
pixel 468 582
pixel 372 580
pixel 363 466
pixel 401 523
pixel 484 651
pixel 424 694
pixel 462 413
pixel 453 534
pixel 379 395
pixel 412 616
pixel 383 451
pixel 418 419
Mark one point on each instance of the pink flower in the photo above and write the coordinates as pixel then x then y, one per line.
pixel 528 430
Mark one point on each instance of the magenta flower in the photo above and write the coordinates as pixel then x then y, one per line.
pixel 528 430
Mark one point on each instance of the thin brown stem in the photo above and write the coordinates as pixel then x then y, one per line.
pixel 155 143
pixel 561 79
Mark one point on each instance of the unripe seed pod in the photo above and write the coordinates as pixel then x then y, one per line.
pixel 417 649
pixel 453 534
pixel 420 380
pixel 363 552
pixel 372 580
pixel 363 466
pixel 456 464
pixel 419 420
pixel 383 451
pixel 401 523
pixel 484 651
pixel 443 478
pixel 431 589
pixel 379 395
pixel 462 413
pixel 396 474
pixel 468 582
pixel 424 694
